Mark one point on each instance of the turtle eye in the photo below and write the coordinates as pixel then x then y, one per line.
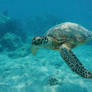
pixel 37 41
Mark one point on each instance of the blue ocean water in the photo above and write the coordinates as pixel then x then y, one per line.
pixel 20 21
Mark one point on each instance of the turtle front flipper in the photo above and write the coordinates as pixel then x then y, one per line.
pixel 73 62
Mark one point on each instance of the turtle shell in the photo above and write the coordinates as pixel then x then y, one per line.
pixel 70 33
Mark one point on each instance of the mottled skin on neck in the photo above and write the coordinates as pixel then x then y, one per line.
pixel 53 44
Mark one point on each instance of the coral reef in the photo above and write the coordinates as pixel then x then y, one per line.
pixel 20 52
pixel 10 41
pixel 12 37
pixel 8 24
pixel 13 46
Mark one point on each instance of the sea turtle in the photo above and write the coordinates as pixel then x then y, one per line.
pixel 64 37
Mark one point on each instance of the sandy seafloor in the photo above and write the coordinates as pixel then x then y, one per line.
pixel 31 73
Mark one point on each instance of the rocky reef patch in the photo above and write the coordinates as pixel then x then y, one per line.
pixel 12 37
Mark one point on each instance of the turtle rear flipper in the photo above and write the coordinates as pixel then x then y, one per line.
pixel 73 62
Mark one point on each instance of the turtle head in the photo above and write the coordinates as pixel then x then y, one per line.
pixel 38 42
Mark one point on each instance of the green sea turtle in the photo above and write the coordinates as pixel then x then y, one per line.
pixel 64 37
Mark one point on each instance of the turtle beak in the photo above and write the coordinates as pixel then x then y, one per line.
pixel 34 50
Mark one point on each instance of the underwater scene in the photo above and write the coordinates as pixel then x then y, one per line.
pixel 45 46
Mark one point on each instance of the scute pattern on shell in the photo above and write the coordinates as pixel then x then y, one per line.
pixel 70 32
